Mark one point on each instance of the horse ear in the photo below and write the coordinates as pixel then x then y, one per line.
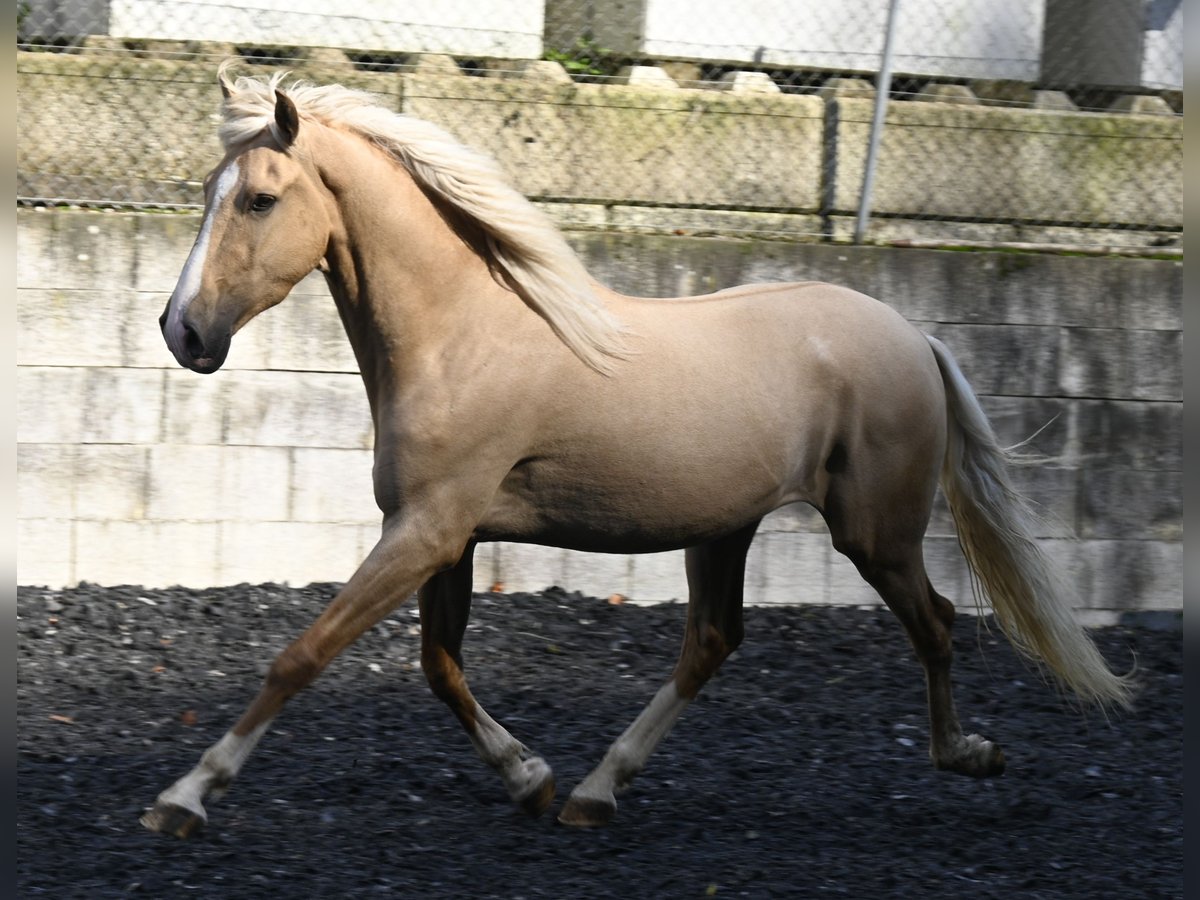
pixel 286 118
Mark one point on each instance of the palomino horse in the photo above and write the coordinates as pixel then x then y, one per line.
pixel 515 399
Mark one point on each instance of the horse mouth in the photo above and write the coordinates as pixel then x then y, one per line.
pixel 201 357
pixel 192 351
pixel 205 365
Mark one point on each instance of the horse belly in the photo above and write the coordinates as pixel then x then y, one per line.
pixel 671 477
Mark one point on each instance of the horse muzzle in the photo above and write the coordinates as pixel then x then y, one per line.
pixel 202 350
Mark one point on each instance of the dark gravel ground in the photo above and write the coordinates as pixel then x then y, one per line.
pixel 801 771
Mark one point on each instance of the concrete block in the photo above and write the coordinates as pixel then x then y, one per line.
pixel 111 481
pixel 82 250
pixel 49 407
pixel 303 333
pixel 659 577
pixel 163 244
pixel 748 83
pixel 109 328
pixel 210 483
pixel 1121 364
pixel 329 59
pixel 948 571
pixel 195 408
pixel 948 93
pixel 46 481
pixel 1142 105
pixel 484 571
pixel 1146 293
pixel 1155 360
pixel 846 586
pixel 646 76
pixel 788 568
pixel 630 144
pixel 1043 426
pixel 1006 164
pixel 858 88
pixel 297 409
pixel 1125 434
pixel 152 554
pixel 439 64
pixel 729 223
pixel 1004 359
pixel 1053 101
pixel 529 567
pixel 1010 288
pixel 183 483
pixel 1053 492
pixel 598 574
pixel 332 486
pixel 685 73
pixel 45 552
pixel 305 552
pixel 1131 504
pixel 121 406
pixel 545 70
pixel 1129 574
pixel 92 155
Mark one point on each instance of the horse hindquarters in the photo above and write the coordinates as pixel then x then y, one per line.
pixel 877 507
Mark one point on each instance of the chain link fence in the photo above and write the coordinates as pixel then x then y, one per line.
pixel 1046 121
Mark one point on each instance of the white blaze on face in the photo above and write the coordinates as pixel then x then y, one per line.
pixel 193 270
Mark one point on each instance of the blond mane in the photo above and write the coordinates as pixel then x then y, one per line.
pixel 523 242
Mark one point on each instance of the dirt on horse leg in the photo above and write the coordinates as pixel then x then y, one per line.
pixel 385 580
pixel 715 574
pixel 445 602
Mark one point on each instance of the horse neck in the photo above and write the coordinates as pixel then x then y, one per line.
pixel 406 277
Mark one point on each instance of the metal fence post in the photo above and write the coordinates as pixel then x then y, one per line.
pixel 883 87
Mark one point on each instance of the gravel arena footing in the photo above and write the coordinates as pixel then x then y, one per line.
pixel 800 771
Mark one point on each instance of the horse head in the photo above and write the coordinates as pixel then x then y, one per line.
pixel 265 227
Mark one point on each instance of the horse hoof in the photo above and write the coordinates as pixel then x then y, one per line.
pixel 976 757
pixel 171 819
pixel 538 800
pixel 587 812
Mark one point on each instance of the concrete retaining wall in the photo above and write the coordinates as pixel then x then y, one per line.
pixel 648 155
pixel 131 470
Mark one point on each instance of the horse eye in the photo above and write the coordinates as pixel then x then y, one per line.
pixel 262 202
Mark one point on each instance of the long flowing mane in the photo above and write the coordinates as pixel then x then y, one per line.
pixel 521 239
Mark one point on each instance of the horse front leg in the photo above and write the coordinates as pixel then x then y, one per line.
pixel 402 560
pixel 716 573
pixel 445 603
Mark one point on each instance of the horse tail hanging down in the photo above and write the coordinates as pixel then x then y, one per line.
pixel 995 528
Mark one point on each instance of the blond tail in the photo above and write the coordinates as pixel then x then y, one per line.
pixel 996 530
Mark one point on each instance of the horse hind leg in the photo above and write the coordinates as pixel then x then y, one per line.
pixel 445 605
pixel 715 573
pixel 927 617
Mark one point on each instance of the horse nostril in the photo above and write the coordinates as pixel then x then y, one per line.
pixel 192 342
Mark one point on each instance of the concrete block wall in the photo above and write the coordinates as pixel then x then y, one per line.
pixel 649 155
pixel 132 470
